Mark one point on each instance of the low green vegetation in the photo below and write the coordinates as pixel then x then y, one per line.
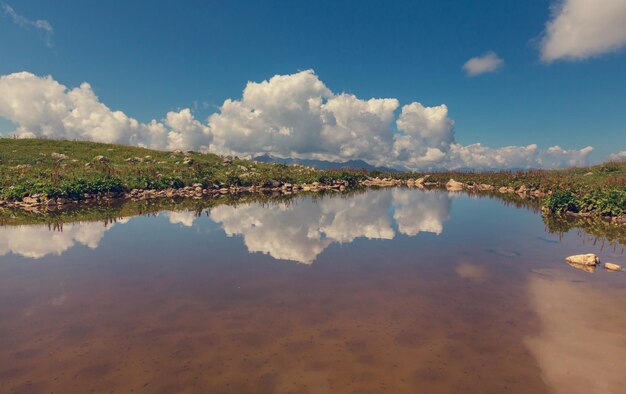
pixel 598 190
pixel 69 169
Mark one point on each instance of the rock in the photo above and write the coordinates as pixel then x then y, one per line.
pixel 486 187
pixel 588 174
pixel 612 267
pixel 538 194
pixel 188 161
pixel 101 159
pixel 421 180
pixel 134 160
pixel 30 200
pixel 453 185
pixel 59 156
pixel 148 157
pixel 588 259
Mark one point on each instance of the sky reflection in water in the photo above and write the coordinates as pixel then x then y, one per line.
pixel 399 289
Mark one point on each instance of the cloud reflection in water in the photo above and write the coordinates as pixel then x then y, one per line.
pixel 297 231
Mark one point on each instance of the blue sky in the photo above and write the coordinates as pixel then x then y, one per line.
pixel 148 58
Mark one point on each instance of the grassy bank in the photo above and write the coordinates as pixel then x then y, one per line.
pixel 596 190
pixel 72 170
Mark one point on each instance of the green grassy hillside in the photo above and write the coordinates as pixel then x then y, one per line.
pixel 72 168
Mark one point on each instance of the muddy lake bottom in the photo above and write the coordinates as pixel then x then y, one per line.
pixel 391 290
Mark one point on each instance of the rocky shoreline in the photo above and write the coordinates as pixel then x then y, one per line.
pixel 38 203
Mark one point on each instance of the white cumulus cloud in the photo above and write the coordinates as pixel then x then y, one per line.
pixel 42 107
pixel 489 62
pixel 618 156
pixel 294 115
pixel 581 29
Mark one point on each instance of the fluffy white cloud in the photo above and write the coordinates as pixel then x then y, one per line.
pixel 424 135
pixel 298 116
pixel 482 157
pixel 42 107
pixel 618 156
pixel 583 28
pixel 186 132
pixel 489 62
pixel 287 116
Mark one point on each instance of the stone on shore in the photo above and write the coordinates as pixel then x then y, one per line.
pixel 30 200
pixel 59 156
pixel 420 181
pixel 588 259
pixel 486 187
pixel 100 159
pixel 454 186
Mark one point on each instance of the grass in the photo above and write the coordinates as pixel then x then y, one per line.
pixel 598 190
pixel 70 169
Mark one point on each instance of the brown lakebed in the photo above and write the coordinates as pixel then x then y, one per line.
pixel 392 290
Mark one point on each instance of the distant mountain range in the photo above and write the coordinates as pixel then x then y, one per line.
pixel 363 165
pixel 323 164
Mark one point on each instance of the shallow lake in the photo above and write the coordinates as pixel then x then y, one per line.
pixel 392 290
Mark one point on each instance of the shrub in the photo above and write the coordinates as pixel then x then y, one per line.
pixel 561 201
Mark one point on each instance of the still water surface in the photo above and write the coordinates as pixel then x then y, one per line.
pixel 391 290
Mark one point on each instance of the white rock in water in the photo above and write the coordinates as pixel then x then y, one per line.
pixel 612 267
pixel 583 259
